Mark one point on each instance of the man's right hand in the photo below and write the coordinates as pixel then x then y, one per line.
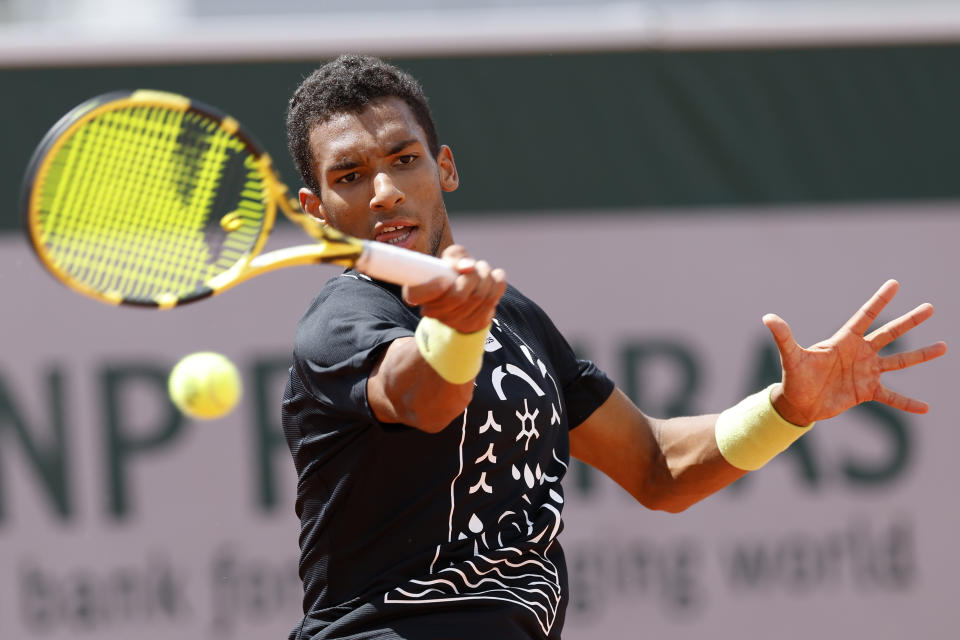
pixel 469 303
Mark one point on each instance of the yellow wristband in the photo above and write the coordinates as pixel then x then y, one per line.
pixel 752 433
pixel 456 356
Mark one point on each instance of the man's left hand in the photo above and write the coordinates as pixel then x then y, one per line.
pixel 831 376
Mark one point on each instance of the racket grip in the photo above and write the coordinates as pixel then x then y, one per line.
pixel 401 266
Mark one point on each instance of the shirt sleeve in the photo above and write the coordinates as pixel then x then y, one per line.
pixel 340 338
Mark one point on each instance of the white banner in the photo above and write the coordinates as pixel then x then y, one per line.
pixel 119 518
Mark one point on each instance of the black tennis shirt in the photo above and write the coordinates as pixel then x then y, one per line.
pixel 406 534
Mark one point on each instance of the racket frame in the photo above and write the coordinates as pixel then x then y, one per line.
pixel 379 260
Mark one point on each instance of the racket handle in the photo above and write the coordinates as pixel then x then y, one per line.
pixel 401 266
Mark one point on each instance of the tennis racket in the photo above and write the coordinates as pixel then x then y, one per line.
pixel 151 199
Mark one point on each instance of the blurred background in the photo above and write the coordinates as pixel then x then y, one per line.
pixel 656 175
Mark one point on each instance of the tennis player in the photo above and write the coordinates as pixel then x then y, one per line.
pixel 431 426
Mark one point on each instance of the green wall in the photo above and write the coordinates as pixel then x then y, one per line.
pixel 542 133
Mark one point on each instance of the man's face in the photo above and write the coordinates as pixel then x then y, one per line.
pixel 378 179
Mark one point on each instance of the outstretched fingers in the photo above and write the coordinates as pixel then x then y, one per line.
pixel 897 401
pixel 867 314
pixel 899 361
pixel 896 328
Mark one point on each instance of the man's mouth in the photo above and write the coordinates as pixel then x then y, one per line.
pixel 401 236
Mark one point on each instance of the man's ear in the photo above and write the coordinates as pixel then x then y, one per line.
pixel 449 178
pixel 311 204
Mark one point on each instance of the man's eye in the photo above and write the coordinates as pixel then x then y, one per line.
pixel 348 178
pixel 407 159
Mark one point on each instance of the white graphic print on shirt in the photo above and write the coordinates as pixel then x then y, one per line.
pixel 506 496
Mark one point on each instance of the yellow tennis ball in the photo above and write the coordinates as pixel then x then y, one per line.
pixel 205 385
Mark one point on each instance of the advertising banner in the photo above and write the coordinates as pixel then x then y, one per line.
pixel 121 518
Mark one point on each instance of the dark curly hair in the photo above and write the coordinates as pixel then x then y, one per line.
pixel 347 85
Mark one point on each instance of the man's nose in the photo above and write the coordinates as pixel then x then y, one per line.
pixel 386 195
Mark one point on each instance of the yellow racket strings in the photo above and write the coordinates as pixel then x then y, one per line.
pixel 129 203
